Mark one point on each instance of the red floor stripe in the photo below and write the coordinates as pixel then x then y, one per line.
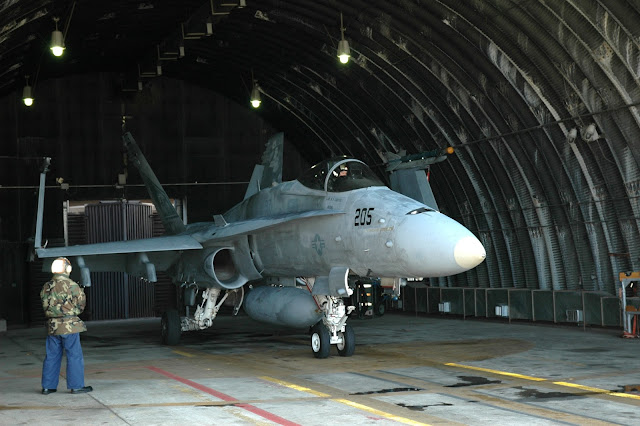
pixel 193 384
pixel 260 412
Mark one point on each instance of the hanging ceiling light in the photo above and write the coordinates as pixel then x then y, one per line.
pixel 57 40
pixel 255 95
pixel 27 93
pixel 343 45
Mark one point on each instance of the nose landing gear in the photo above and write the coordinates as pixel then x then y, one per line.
pixel 333 330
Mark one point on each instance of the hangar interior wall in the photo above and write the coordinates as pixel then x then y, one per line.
pixel 545 306
pixel 201 146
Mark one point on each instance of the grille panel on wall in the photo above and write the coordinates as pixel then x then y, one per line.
pixel 115 295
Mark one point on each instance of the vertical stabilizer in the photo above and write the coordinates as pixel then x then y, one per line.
pixel 414 184
pixel 272 161
pixel 170 219
pixel 270 171
pixel 254 183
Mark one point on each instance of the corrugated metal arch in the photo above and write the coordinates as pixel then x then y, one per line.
pixel 503 81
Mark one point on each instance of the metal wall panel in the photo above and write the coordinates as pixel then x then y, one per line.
pixel 12 291
pixel 597 307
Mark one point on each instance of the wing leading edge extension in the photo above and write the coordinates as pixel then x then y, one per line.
pixel 236 229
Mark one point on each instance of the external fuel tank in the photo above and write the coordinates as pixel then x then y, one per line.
pixel 287 306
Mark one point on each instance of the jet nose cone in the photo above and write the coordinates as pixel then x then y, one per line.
pixel 434 245
pixel 469 252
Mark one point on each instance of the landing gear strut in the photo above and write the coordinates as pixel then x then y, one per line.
pixel 333 330
pixel 173 325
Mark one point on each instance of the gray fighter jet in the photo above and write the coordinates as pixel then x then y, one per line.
pixel 296 243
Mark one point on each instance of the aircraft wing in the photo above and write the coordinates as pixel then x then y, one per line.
pixel 146 256
pixel 174 242
pixel 138 257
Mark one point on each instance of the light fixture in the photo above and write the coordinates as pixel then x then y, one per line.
pixel 57 40
pixel 255 95
pixel 344 52
pixel 589 133
pixel 27 93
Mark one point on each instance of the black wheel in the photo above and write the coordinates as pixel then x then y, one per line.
pixel 170 328
pixel 320 341
pixel 380 309
pixel 348 345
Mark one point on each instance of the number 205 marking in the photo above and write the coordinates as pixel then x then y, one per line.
pixel 363 216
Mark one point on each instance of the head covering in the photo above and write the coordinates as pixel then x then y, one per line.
pixel 61 266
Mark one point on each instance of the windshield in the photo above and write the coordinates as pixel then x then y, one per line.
pixel 339 174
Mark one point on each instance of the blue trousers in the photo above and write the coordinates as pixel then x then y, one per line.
pixel 70 343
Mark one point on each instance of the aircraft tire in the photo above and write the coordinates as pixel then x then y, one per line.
pixel 320 341
pixel 380 309
pixel 170 328
pixel 348 345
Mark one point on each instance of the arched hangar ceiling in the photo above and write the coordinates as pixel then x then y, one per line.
pixel 505 82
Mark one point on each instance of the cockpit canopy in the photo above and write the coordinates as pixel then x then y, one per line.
pixel 339 174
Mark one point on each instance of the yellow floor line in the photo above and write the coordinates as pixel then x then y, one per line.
pixel 581 387
pixel 187 354
pixel 380 413
pixel 344 401
pixel 625 395
pixel 503 373
pixel 597 390
pixel 537 379
pixel 296 387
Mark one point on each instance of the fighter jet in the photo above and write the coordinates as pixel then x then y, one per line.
pixel 295 243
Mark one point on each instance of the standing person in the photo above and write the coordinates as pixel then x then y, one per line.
pixel 63 300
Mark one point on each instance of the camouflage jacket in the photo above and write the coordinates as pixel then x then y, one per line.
pixel 63 300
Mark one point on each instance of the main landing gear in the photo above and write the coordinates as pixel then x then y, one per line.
pixel 172 324
pixel 170 328
pixel 333 329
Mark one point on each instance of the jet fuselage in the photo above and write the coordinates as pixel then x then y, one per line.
pixel 375 232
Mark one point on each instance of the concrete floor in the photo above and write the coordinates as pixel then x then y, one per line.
pixel 406 370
